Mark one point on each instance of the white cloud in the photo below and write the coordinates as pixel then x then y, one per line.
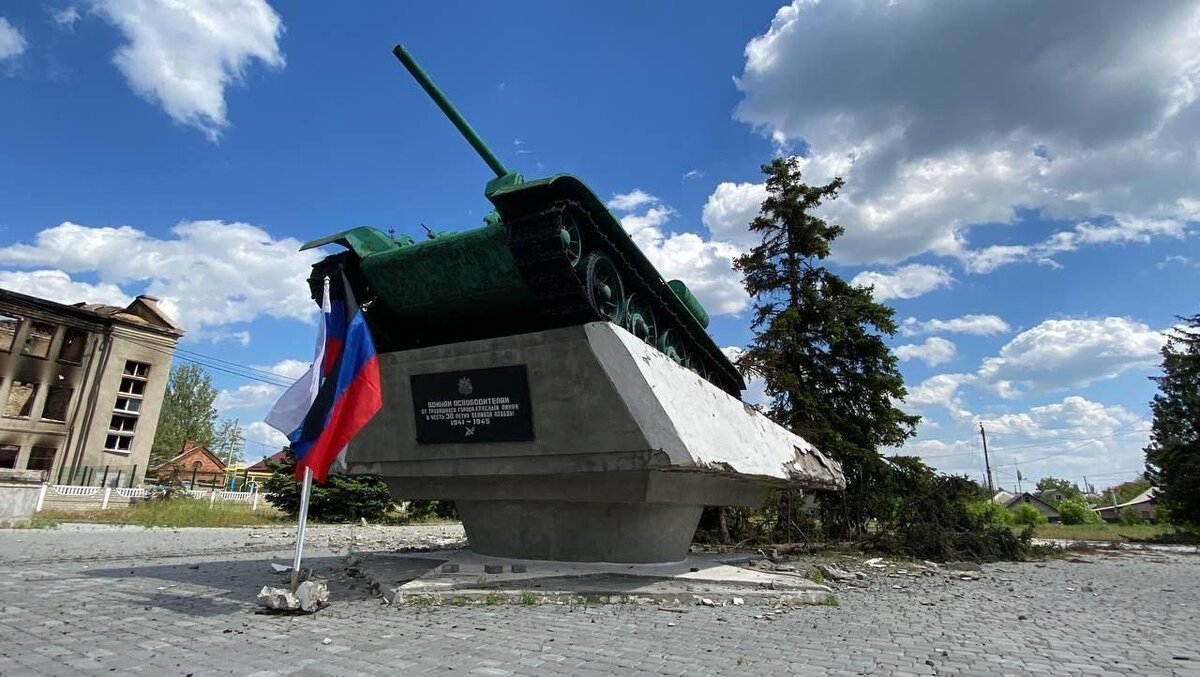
pixel 1119 231
pixel 241 337
pixel 248 396
pixel 933 351
pixel 706 266
pixel 1062 354
pixel 905 282
pixel 1176 259
pixel 58 286
pixel 730 209
pixel 12 42
pixel 65 17
pixel 182 55
pixel 1074 117
pixel 262 440
pixel 979 325
pixel 210 274
pixel 941 391
pixel 693 174
pixel 627 202
pixel 1072 438
pixel 289 370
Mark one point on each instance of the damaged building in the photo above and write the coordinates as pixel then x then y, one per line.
pixel 82 386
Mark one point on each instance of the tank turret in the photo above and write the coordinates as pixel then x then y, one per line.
pixel 549 255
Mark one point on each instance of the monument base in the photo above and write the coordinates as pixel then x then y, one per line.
pixel 580 532
pixel 576 444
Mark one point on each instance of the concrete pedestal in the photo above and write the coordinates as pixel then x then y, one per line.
pixel 580 532
pixel 625 450
pixel 19 491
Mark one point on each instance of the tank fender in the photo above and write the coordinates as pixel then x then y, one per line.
pixel 363 241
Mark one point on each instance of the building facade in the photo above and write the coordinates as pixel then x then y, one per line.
pixel 82 386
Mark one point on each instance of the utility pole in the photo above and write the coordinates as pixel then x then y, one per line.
pixel 1019 478
pixel 986 463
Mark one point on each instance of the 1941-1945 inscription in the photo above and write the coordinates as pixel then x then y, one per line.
pixel 474 405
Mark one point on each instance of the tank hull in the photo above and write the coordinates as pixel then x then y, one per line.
pixel 554 256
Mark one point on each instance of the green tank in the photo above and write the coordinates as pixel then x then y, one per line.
pixel 548 256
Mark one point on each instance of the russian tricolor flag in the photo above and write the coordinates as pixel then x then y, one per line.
pixel 339 393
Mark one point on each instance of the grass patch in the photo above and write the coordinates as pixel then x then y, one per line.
pixel 528 598
pixel 816 576
pixel 1102 532
pixel 492 599
pixel 831 601
pixel 180 512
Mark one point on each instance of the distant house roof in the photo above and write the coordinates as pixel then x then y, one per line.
pixel 1146 496
pixel 261 466
pixel 190 449
pixel 1003 497
pixel 1027 497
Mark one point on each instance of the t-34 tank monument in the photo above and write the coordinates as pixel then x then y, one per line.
pixel 541 373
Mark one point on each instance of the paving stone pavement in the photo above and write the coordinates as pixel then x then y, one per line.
pixel 178 602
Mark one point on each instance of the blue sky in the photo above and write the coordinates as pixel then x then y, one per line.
pixel 1026 198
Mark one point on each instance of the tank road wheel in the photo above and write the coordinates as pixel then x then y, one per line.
pixel 568 232
pixel 670 342
pixel 604 288
pixel 639 320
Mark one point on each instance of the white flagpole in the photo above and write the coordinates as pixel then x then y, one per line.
pixel 304 492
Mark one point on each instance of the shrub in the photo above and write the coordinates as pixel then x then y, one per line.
pixel 1129 516
pixel 1027 515
pixel 343 498
pixel 989 512
pixel 1076 511
pixel 420 511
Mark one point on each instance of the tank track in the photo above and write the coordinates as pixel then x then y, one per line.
pixel 537 249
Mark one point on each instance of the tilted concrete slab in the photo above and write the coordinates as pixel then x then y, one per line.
pixel 627 447
pixel 450 575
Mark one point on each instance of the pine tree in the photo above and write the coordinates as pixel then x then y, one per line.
pixel 1173 456
pixel 819 345
pixel 187 412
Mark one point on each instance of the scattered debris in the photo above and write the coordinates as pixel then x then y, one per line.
pixel 280 568
pixel 327 641
pixel 738 601
pixel 834 573
pixel 309 597
pixel 964 566
pixel 875 562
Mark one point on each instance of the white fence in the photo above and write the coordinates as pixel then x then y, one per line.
pixel 79 497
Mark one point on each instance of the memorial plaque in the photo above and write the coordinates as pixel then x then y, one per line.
pixel 472 405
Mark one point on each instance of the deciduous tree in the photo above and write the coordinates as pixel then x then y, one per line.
pixel 187 412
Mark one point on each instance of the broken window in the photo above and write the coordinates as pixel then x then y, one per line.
pixel 41 458
pixel 58 398
pixel 118 443
pixel 8 455
pixel 133 386
pixel 128 405
pixel 122 424
pixel 8 331
pixel 20 399
pixel 73 344
pixel 37 340
pixel 138 369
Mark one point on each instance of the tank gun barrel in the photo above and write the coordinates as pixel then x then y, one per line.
pixel 451 112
